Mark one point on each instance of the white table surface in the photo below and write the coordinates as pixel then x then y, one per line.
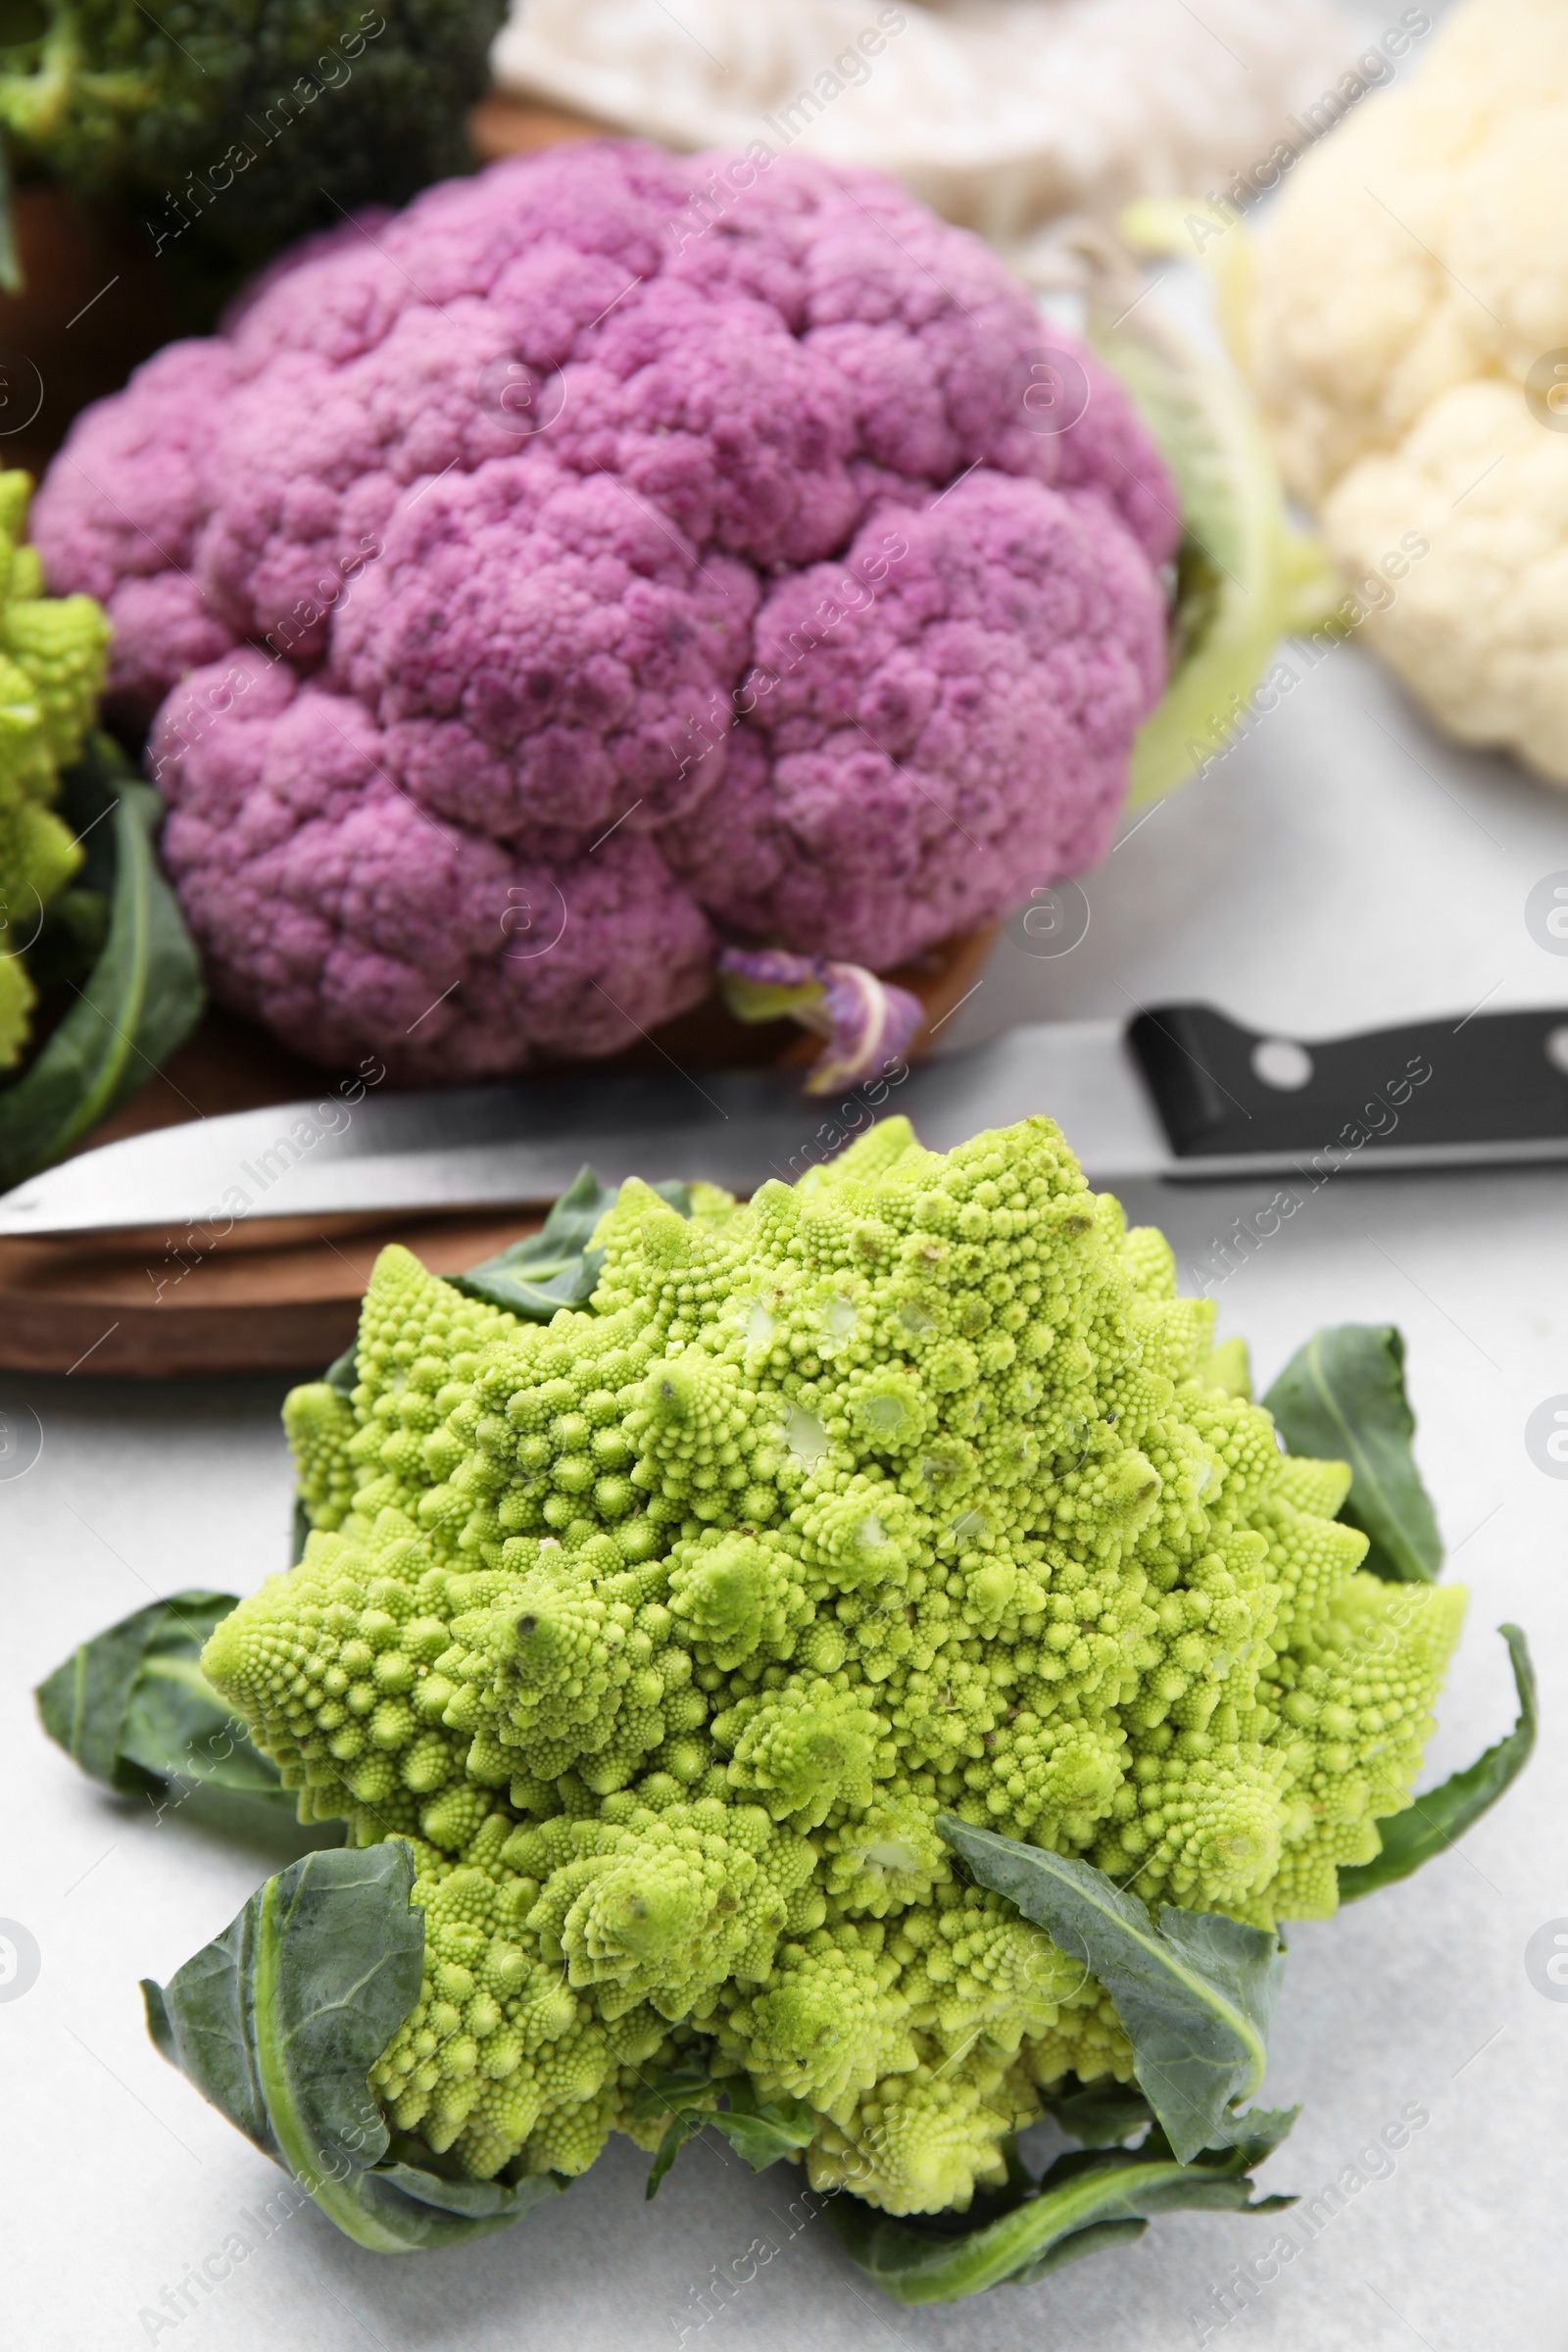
pixel 1318 879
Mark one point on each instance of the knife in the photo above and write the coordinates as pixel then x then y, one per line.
pixel 1181 1092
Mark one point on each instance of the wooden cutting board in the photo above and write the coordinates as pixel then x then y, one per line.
pixel 279 1297
pixel 282 1295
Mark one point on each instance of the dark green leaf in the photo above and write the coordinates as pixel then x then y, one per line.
pixel 1194 1993
pixel 1436 1818
pixel 1102 2115
pixel 11 278
pixel 552 1268
pixel 555 1267
pixel 143 995
pixel 1098 2239
pixel 1257 2131
pixel 76 928
pixel 763 2129
pixel 278 2022
pixel 178 1728
pixel 1108 2114
pixel 1341 1398
pixel 135 1711
pixel 21 23
pixel 760 2130
pixel 484 2205
pixel 680 2087
pixel 684 2124
pixel 1086 2202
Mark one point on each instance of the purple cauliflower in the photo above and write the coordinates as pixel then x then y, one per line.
pixel 612 557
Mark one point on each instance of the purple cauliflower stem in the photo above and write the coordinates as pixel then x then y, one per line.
pixel 868 1024
pixel 530 595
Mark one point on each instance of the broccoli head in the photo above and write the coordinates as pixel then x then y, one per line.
pixel 665 1632
pixel 249 119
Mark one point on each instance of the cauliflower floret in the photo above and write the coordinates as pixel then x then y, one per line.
pixel 1009 120
pixel 1409 283
pixel 1478 626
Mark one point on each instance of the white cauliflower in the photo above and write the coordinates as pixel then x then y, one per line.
pixel 1411 307
pixel 1002 115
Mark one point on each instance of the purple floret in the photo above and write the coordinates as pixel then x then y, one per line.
pixel 914 746
pixel 594 563
pixel 328 901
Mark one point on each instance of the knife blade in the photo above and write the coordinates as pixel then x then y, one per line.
pixel 1179 1093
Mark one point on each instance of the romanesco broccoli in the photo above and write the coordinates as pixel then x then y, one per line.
pixel 665 1631
pixel 52 656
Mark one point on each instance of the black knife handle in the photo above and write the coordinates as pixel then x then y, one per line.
pixel 1222 1090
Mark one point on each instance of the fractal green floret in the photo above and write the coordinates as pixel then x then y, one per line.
pixel 52 656
pixel 665 1632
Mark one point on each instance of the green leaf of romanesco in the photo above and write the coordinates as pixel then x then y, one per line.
pixel 1342 1397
